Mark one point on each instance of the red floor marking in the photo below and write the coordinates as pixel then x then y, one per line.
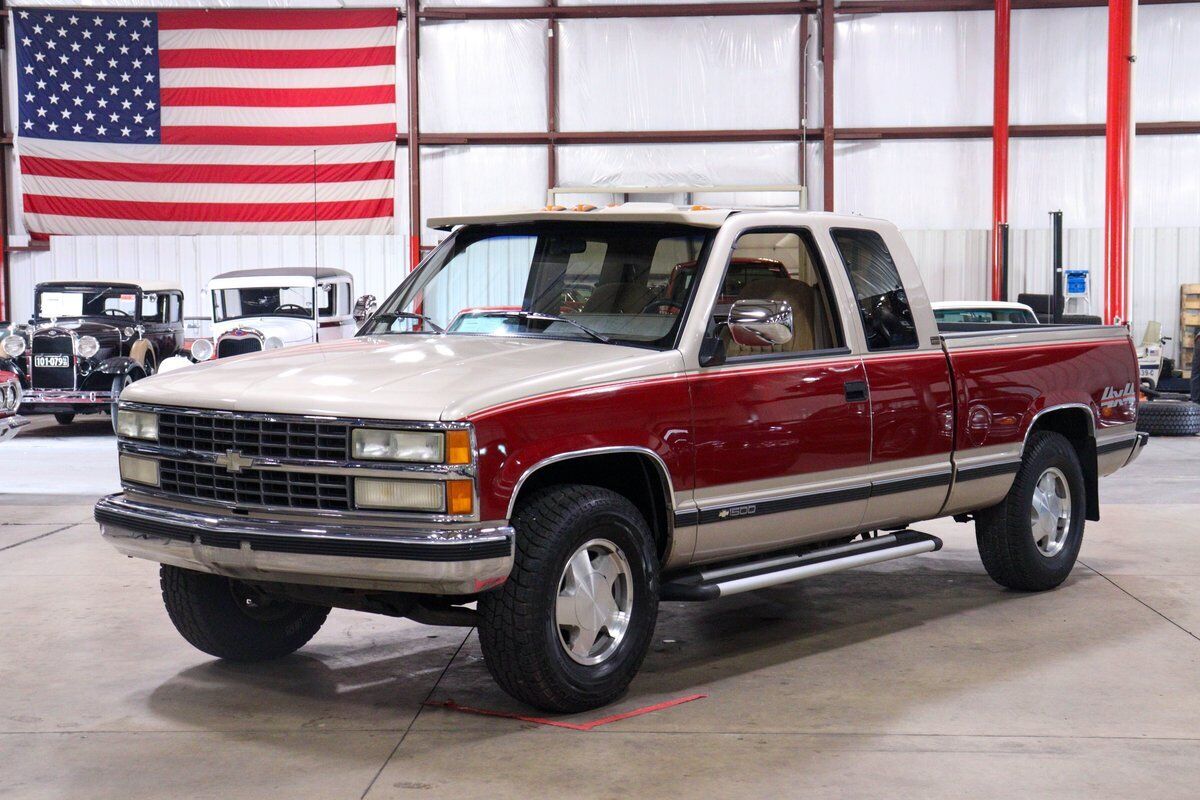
pixel 575 726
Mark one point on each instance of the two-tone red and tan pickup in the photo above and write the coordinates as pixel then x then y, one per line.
pixel 615 438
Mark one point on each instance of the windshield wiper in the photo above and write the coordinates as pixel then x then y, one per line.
pixel 393 316
pixel 556 318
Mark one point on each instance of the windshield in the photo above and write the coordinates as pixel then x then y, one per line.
pixel 985 315
pixel 606 281
pixel 113 302
pixel 274 301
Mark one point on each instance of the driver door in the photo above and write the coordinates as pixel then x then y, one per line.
pixel 782 432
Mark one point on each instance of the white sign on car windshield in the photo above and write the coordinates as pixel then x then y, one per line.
pixel 62 304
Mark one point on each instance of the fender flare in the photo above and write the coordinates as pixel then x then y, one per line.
pixel 140 352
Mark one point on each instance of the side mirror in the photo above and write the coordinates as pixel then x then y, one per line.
pixel 761 323
pixel 364 307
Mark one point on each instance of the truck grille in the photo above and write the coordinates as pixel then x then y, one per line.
pixel 262 438
pixel 52 377
pixel 256 487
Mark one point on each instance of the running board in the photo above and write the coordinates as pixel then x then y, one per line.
pixel 709 583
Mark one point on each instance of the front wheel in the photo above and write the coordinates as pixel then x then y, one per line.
pixel 1030 540
pixel 233 620
pixel 569 629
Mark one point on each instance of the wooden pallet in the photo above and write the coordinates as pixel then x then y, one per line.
pixel 1189 325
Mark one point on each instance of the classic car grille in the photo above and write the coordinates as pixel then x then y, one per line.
pixel 237 347
pixel 254 437
pixel 52 377
pixel 256 487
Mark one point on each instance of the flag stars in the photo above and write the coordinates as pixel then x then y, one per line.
pixel 52 72
pixel 113 117
pixel 41 84
pixel 53 126
pixel 150 105
pixel 74 20
pixel 137 91
pixel 89 116
pixel 87 34
pixel 149 131
pixel 66 113
pixel 125 104
pixel 62 33
pixel 77 129
pixel 24 14
pixel 77 101
pixel 111 35
pixel 113 90
pixel 66 87
pixel 99 48
pixel 124 49
pixel 40 56
pixel 149 50
pixel 75 47
pixel 146 22
pixel 29 97
pixel 88 61
pixel 137 119
pixel 28 124
pixel 124 77
pixel 112 63
pixel 41 112
pixel 28 69
pixel 97 20
pixel 76 74
pixel 101 130
pixel 124 131
pixel 102 76
pixel 102 103
pixel 137 63
pixel 49 18
pixel 122 21
pixel 149 77
pixel 37 30
pixel 27 42
pixel 50 44
pixel 53 99
pixel 90 89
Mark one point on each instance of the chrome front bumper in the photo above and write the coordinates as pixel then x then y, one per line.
pixel 453 560
pixel 64 396
pixel 9 427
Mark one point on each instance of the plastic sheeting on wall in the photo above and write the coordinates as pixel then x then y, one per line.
pixel 929 68
pixel 1059 61
pixel 700 73
pixel 483 76
pixel 922 184
pixel 468 180
pixel 1060 174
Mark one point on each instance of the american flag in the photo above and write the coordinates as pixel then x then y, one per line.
pixel 206 122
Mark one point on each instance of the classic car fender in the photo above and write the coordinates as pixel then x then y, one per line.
pixel 173 363
pixel 120 365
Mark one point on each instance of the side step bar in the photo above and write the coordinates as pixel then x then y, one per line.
pixel 723 581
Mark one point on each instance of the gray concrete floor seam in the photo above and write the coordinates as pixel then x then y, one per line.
pixel 416 716
pixel 1140 600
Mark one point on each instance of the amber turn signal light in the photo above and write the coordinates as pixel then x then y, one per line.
pixel 458 447
pixel 460 497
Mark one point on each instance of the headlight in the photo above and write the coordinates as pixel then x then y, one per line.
pixel 13 345
pixel 454 497
pixel 273 343
pixel 427 447
pixel 138 470
pixel 202 349
pixel 87 346
pixel 137 424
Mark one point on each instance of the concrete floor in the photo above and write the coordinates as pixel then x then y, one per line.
pixel 919 678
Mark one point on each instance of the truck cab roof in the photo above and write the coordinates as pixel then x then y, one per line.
pixel 696 215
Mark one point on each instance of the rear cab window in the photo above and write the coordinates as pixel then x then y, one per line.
pixel 882 302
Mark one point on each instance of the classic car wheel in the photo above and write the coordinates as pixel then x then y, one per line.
pixel 1030 540
pixel 569 629
pixel 118 385
pixel 64 417
pixel 233 620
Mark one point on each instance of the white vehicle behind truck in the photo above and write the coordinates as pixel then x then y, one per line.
pixel 265 309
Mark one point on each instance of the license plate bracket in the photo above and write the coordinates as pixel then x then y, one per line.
pixel 51 361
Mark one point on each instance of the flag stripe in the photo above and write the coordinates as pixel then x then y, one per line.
pixel 279 98
pixel 276 39
pixel 214 58
pixel 278 78
pixel 290 20
pixel 208 212
pixel 206 173
pixel 208 154
pixel 196 193
pixel 230 135
pixel 242 116
pixel 86 226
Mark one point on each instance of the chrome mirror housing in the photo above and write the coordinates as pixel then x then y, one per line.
pixel 364 308
pixel 761 323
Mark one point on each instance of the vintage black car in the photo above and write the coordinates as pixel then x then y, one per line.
pixel 88 340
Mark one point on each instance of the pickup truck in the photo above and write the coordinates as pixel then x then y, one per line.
pixel 564 472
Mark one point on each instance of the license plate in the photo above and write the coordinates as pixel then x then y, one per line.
pixel 51 361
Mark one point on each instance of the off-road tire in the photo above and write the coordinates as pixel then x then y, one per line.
pixel 1004 532
pixel 517 629
pixel 64 417
pixel 206 613
pixel 1169 418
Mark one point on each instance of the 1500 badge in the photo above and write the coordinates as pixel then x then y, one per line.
pixel 1113 397
pixel 737 511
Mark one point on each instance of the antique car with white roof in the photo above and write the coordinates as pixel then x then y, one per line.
pixel 88 340
pixel 594 444
pixel 265 309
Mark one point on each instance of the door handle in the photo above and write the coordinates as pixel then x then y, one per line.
pixel 856 391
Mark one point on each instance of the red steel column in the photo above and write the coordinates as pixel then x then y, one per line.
pixel 413 31
pixel 1000 142
pixel 827 33
pixel 1117 130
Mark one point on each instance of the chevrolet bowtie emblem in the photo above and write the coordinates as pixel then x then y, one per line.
pixel 234 461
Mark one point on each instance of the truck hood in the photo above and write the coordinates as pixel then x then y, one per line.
pixel 404 377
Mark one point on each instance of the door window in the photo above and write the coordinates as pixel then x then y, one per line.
pixel 780 265
pixel 882 303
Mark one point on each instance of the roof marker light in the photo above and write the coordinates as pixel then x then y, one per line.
pixel 584 207
pixel 555 208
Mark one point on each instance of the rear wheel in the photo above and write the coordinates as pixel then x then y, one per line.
pixel 65 417
pixel 233 620
pixel 1030 540
pixel 569 629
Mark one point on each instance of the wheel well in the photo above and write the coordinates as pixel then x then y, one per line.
pixel 636 476
pixel 1076 425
